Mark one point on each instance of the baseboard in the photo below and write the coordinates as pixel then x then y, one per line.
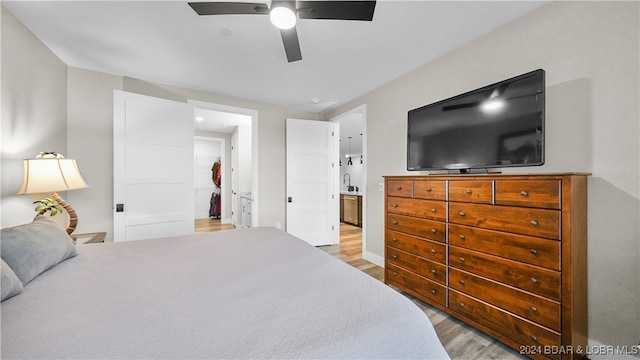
pixel 597 350
pixel 371 257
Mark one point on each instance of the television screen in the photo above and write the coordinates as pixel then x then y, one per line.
pixel 499 125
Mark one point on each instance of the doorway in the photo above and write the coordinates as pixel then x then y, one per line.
pixel 237 163
pixel 353 170
pixel 209 153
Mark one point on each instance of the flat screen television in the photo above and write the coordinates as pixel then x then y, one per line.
pixel 499 125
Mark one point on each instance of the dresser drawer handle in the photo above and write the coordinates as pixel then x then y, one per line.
pixel 461 282
pixel 461 305
pixel 524 193
pixel 394 240
pixel 433 231
pixel 534 222
pixel 395 222
pixel 468 191
pixel 433 251
pixel 394 256
pixel 461 259
pixel 433 271
pixel 395 273
pixel 534 251
pixel 534 309
pixel 428 189
pixel 461 213
pixel 461 237
pixel 433 291
pixel 395 205
pixel 433 210
pixel 399 188
pixel 534 280
pixel 534 338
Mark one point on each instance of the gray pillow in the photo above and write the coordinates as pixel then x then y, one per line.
pixel 34 248
pixel 9 282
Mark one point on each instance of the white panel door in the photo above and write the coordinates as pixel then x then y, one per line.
pixel 312 152
pixel 153 167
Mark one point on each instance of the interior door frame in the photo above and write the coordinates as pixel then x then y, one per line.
pixel 362 109
pixel 254 148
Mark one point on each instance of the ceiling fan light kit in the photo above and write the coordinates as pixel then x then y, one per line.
pixel 284 15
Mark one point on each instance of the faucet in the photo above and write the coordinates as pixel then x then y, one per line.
pixel 344 180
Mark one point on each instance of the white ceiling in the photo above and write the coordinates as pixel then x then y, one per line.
pixel 167 42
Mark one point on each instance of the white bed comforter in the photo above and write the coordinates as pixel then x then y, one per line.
pixel 238 294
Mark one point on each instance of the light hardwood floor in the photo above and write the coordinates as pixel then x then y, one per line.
pixel 209 225
pixel 460 340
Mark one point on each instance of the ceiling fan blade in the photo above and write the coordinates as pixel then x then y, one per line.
pixel 229 8
pixel 291 44
pixel 336 10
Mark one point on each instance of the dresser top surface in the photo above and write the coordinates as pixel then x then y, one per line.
pixel 489 175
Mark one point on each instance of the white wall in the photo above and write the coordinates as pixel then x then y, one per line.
pixel 590 51
pixel 34 113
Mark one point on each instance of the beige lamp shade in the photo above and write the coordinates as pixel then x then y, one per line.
pixel 51 175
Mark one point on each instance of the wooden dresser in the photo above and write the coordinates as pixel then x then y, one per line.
pixel 506 254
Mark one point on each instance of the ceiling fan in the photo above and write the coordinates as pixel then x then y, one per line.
pixel 285 13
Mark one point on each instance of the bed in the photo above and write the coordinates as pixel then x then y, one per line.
pixel 235 294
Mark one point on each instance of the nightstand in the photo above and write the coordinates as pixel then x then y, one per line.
pixel 89 238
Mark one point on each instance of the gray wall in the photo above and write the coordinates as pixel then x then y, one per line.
pixel 90 142
pixel 590 51
pixel 34 111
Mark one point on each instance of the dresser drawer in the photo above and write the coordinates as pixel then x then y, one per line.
pixel 529 193
pixel 475 191
pixel 421 266
pixel 430 189
pixel 402 188
pixel 535 308
pixel 413 284
pixel 528 249
pixel 430 209
pixel 430 229
pixel 513 327
pixel 526 221
pixel 540 281
pixel 427 249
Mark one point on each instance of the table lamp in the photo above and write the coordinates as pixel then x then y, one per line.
pixel 49 173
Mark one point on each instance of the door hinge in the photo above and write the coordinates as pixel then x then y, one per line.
pixel 332 228
pixel 332 133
